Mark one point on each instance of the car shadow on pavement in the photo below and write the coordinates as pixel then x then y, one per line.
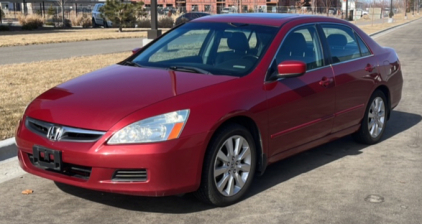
pixel 274 175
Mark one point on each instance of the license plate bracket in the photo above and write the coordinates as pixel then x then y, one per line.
pixel 47 158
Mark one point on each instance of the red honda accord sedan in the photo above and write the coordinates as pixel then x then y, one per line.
pixel 210 104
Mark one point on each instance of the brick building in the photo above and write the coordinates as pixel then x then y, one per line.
pixel 215 6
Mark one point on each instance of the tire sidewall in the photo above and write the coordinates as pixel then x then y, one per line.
pixel 365 118
pixel 94 24
pixel 217 197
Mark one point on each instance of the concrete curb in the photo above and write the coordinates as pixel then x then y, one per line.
pixel 8 149
pixel 393 27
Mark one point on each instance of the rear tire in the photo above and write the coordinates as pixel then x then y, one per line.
pixel 229 166
pixel 375 120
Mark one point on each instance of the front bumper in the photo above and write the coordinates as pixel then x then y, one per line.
pixel 172 167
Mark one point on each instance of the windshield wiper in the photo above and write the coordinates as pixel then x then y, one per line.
pixel 190 69
pixel 131 63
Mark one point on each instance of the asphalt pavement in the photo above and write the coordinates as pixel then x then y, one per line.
pixel 42 52
pixel 339 182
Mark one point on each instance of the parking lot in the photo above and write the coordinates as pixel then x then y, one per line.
pixel 340 182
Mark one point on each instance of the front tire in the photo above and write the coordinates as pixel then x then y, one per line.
pixel 229 166
pixel 375 120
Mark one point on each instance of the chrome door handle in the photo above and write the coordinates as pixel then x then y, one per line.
pixel 369 68
pixel 325 82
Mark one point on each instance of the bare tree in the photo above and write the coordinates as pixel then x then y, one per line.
pixel 62 2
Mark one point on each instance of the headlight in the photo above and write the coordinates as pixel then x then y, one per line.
pixel 154 129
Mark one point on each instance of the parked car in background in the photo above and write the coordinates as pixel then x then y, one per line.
pixel 188 17
pixel 292 9
pixel 97 19
pixel 168 9
pixel 361 12
pixel 228 10
pixel 332 11
pixel 386 12
pixel 210 104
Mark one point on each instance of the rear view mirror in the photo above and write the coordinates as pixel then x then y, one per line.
pixel 288 69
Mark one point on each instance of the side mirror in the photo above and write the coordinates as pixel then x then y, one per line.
pixel 289 69
pixel 136 50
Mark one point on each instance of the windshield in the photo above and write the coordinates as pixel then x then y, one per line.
pixel 211 48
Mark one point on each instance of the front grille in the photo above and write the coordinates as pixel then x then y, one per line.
pixel 62 133
pixel 39 128
pixel 68 169
pixel 130 175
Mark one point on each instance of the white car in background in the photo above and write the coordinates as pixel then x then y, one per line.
pixel 362 12
pixel 228 10
pixel 97 19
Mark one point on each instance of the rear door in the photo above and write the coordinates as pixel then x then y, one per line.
pixel 98 17
pixel 301 108
pixel 355 69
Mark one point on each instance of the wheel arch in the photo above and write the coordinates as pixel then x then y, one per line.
pixel 251 125
pixel 384 89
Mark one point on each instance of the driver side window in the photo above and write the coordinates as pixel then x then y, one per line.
pixel 302 44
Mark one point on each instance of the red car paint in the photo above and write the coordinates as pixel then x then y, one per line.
pixel 292 115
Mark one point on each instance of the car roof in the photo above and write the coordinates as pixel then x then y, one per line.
pixel 269 19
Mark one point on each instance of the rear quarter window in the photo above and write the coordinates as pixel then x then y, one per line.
pixel 341 42
pixel 364 50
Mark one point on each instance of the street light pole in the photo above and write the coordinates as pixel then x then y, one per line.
pixel 347 9
pixel 391 14
pixel 154 32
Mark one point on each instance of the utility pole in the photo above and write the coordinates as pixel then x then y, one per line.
pixel 62 7
pixel 154 32
pixel 391 14
pixel 347 9
pixel 25 9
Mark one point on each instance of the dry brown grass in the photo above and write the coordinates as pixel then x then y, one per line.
pixel 84 21
pixel 20 83
pixel 16 38
pixel 31 21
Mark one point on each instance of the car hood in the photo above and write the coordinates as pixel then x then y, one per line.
pixel 100 99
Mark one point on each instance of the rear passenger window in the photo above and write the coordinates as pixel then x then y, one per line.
pixel 341 42
pixel 302 44
pixel 364 51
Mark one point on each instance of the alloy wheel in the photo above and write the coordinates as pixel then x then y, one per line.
pixel 376 117
pixel 232 165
